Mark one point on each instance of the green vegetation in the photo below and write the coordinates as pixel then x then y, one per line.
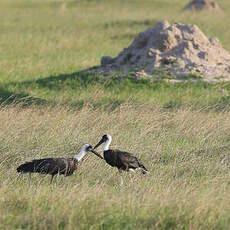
pixel 49 107
pixel 77 90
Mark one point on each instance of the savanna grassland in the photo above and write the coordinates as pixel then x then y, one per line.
pixel 48 108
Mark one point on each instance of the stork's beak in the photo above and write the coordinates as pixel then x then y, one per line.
pixel 96 153
pixel 99 143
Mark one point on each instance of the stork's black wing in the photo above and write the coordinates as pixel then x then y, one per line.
pixel 45 166
pixel 123 160
pixel 130 160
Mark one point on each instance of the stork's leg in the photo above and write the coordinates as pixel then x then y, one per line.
pixel 120 172
pixel 131 178
pixel 51 180
pixel 29 179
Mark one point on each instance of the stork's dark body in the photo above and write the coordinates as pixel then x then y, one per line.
pixel 123 160
pixel 52 166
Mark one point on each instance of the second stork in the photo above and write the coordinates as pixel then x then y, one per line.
pixel 123 161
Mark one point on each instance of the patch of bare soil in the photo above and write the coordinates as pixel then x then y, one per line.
pixel 194 5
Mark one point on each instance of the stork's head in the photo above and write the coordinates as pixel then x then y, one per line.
pixel 88 148
pixel 105 139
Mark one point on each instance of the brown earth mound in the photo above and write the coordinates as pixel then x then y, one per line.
pixel 202 5
pixel 177 49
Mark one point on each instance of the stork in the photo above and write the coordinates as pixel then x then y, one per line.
pixel 123 161
pixel 53 166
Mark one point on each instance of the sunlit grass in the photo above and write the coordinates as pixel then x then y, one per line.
pixel 186 153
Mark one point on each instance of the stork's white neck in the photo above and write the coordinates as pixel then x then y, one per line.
pixel 80 155
pixel 106 145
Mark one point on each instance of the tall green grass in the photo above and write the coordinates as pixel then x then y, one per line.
pixel 76 90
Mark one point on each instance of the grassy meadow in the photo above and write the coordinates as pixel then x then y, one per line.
pixel 49 108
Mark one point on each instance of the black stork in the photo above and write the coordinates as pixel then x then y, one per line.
pixel 53 166
pixel 123 161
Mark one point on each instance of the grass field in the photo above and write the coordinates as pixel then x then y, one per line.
pixel 48 108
